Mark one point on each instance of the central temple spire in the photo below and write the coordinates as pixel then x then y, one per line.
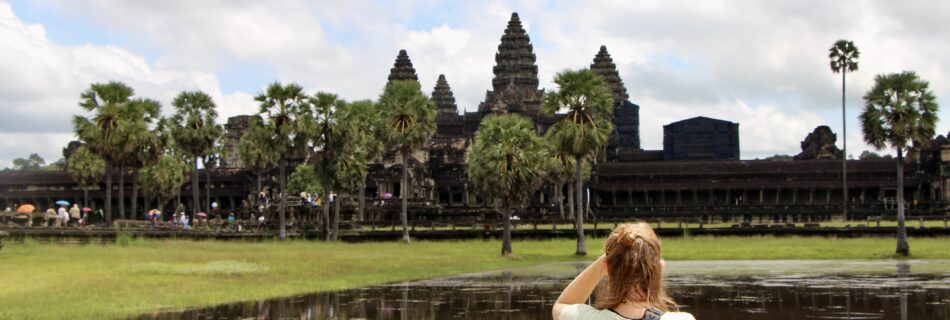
pixel 515 59
pixel 402 69
pixel 515 85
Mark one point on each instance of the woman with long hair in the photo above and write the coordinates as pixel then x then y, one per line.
pixel 634 289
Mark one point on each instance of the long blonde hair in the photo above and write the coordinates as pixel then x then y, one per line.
pixel 634 269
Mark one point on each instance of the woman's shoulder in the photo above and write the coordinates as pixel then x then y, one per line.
pixel 587 312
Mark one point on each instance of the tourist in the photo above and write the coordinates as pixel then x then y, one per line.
pixel 62 216
pixel 51 214
pixel 184 221
pixel 635 287
pixel 74 214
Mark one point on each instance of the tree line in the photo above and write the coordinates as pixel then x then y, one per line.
pixel 507 161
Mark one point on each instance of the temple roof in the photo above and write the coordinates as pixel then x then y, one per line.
pixel 443 97
pixel 604 66
pixel 403 70
pixel 515 59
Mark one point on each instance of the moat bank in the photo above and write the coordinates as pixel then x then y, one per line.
pixel 140 275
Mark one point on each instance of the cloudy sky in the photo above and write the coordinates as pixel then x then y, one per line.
pixel 762 64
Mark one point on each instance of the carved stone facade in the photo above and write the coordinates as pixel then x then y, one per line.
pixel 820 144
pixel 234 129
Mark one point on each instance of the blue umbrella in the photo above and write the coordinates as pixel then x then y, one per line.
pixel 62 203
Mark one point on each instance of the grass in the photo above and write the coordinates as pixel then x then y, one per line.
pixel 45 281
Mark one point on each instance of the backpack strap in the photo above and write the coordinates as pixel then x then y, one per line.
pixel 652 314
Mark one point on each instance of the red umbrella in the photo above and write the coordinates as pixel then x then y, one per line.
pixel 86 209
pixel 26 208
pixel 201 214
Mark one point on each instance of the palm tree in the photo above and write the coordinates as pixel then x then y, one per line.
pixel 257 152
pixel 195 132
pixel 507 163
pixel 410 117
pixel 287 113
pixel 148 148
pixel 584 130
pixel 110 132
pixel 325 105
pixel 364 123
pixel 86 168
pixel 900 111
pixel 844 59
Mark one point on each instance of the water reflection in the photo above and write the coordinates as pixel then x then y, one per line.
pixel 711 290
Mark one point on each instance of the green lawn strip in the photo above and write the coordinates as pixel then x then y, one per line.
pixel 42 281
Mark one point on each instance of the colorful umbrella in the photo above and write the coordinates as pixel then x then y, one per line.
pixel 26 208
pixel 62 203
pixel 86 209
pixel 201 214
pixel 154 211
pixel 387 195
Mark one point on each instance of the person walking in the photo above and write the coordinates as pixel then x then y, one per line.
pixel 62 216
pixel 51 215
pixel 74 214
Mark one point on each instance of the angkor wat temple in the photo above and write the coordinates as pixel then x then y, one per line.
pixel 698 172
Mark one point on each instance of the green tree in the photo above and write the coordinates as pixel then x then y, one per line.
pixel 304 179
pixel 288 117
pixel 195 132
pixel 507 163
pixel 113 127
pixel 584 130
pixel 364 124
pixel 86 168
pixel 410 117
pixel 844 58
pixel 33 162
pixel 142 146
pixel 164 178
pixel 900 111
pixel 257 152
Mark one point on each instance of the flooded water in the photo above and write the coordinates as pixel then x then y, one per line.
pixel 708 289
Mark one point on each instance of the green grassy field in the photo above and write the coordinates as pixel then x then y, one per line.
pixel 45 281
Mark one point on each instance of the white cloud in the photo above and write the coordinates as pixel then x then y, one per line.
pixel 762 64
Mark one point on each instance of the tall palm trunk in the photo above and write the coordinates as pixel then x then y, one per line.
pixel 195 198
pixel 258 184
pixel 208 186
pixel 108 193
pixel 506 236
pixel 902 247
pixel 121 192
pixel 559 198
pixel 283 198
pixel 570 200
pixel 336 218
pixel 326 213
pixel 844 155
pixel 404 197
pixel 135 194
pixel 360 216
pixel 579 214
pixel 160 204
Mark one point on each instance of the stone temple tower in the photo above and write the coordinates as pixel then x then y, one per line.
pixel 515 85
pixel 403 69
pixel 626 116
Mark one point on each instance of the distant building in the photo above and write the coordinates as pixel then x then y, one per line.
pixel 701 138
